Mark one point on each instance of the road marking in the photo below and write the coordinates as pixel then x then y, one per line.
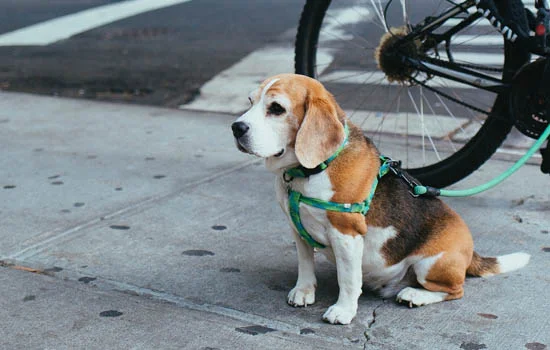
pixel 403 123
pixel 486 59
pixel 335 20
pixel 60 28
pixel 227 91
pixel 379 77
pixel 478 40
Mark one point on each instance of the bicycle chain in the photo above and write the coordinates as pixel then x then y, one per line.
pixel 450 65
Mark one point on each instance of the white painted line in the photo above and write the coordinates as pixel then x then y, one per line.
pixel 333 28
pixel 486 59
pixel 437 126
pixel 519 153
pixel 478 40
pixel 378 77
pixel 483 22
pixel 60 28
pixel 227 92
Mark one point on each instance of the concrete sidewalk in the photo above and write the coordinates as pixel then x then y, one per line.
pixel 139 227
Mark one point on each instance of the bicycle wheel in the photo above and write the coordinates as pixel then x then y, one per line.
pixel 441 130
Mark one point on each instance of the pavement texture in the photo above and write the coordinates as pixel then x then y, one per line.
pixel 160 57
pixel 129 227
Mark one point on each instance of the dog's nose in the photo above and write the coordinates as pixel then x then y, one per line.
pixel 239 129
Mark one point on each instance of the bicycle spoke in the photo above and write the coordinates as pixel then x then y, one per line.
pixel 420 113
pixel 335 19
pixel 379 12
pixel 441 127
pixel 345 77
pixel 325 32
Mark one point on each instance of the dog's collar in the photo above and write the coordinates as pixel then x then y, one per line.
pixel 301 171
pixel 295 198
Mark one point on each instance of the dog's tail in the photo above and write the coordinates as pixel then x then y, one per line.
pixel 483 267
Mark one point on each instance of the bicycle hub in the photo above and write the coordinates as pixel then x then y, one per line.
pixel 390 52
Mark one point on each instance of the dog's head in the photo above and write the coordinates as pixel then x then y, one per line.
pixel 291 117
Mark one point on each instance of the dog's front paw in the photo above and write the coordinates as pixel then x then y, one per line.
pixel 301 296
pixel 337 314
pixel 419 297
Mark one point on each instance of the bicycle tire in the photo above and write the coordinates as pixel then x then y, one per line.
pixel 490 135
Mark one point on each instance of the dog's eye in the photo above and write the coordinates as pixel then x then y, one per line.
pixel 250 100
pixel 275 109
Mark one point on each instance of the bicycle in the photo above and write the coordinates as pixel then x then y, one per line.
pixel 428 68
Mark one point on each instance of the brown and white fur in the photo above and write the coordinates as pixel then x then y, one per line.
pixel 417 249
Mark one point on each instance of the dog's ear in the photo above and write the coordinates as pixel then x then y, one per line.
pixel 321 133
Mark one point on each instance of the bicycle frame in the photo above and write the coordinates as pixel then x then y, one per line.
pixel 448 69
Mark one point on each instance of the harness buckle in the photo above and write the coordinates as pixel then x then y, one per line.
pixel 287 178
pixel 395 167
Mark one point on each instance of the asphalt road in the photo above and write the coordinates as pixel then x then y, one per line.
pixel 160 57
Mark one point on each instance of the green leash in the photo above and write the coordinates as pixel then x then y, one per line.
pixel 422 190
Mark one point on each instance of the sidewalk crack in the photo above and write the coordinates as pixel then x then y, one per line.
pixel 371 323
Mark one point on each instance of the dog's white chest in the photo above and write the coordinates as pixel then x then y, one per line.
pixel 315 220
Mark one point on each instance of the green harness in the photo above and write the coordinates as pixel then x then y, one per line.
pixel 295 197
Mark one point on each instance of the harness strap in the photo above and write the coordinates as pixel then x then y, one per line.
pixel 295 198
pixel 294 206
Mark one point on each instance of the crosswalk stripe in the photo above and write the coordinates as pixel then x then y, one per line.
pixel 227 91
pixel 478 40
pixel 403 123
pixel 64 27
pixel 378 77
pixel 333 26
pixel 451 22
pixel 486 59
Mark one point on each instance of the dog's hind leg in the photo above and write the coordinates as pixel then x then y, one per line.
pixel 441 275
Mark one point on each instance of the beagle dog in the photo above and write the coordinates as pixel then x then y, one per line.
pixel 417 249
